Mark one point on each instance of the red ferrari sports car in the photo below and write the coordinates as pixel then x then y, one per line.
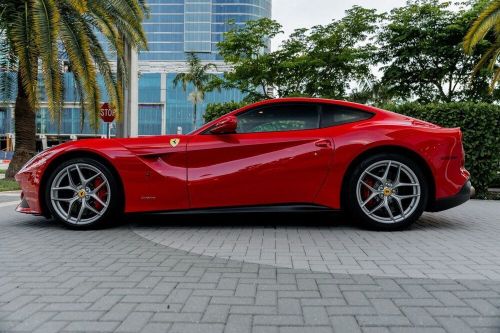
pixel 383 168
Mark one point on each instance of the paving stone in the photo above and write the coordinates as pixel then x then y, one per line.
pixel 383 320
pixel 305 329
pixel 452 324
pixel 156 328
pixel 78 315
pixel 196 304
pixel 419 316
pixel 443 275
pixel 51 327
pixel 345 324
pixel 266 297
pixel 135 322
pixel 238 324
pixel 176 317
pixel 355 298
pixel 216 313
pixel 196 328
pixel 315 315
pixel 279 320
pixel 91 326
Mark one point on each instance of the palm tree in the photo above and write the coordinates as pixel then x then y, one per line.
pixel 201 80
pixel 488 21
pixel 33 32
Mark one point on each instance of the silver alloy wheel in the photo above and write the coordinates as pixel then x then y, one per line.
pixel 388 191
pixel 80 194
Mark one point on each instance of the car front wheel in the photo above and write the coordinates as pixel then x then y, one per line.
pixel 81 193
pixel 387 192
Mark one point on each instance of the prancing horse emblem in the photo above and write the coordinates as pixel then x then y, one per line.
pixel 174 142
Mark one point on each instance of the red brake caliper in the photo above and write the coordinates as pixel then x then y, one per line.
pixel 365 194
pixel 101 194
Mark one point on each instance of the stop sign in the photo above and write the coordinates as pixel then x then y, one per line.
pixel 107 113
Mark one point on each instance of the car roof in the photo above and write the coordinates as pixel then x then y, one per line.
pixel 311 100
pixel 301 100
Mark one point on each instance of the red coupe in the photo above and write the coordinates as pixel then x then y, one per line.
pixel 383 168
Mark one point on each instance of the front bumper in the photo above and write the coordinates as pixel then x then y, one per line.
pixel 30 203
pixel 464 195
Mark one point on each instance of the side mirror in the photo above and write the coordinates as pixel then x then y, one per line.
pixel 227 125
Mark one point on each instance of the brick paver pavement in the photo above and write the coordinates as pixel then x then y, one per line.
pixel 124 280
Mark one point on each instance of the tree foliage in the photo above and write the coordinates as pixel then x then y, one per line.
pixel 422 57
pixel 321 61
pixel 413 53
pixel 245 48
pixel 217 110
pixel 488 22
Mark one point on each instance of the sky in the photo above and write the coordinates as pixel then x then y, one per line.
pixel 294 14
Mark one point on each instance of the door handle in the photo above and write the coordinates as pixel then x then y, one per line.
pixel 323 144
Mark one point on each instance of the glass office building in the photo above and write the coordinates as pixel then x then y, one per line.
pixel 173 28
pixel 179 26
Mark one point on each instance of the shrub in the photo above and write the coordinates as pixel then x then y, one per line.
pixel 217 110
pixel 480 124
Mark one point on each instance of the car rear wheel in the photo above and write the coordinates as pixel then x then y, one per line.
pixel 387 192
pixel 82 193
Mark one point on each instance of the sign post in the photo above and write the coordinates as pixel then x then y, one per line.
pixel 107 115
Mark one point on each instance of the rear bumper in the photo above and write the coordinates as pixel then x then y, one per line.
pixel 464 195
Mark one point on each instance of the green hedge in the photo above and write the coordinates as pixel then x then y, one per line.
pixel 217 110
pixel 480 124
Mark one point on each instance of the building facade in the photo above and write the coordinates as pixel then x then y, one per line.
pixel 174 28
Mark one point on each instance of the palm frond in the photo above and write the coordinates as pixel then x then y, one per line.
pixel 488 20
pixel 46 26
pixel 74 35
pixel 115 95
pixel 7 71
pixel 78 5
pixel 182 78
pixel 21 36
pixel 494 81
pixel 488 59
pixel 39 32
pixel 124 16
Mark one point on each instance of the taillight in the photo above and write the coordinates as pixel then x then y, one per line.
pixel 462 158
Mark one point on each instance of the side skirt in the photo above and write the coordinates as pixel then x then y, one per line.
pixel 302 208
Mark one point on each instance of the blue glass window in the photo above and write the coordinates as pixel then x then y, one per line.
pixel 150 119
pixel 198 26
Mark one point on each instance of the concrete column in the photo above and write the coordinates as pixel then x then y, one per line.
pixel 130 122
pixel 163 100
pixel 134 93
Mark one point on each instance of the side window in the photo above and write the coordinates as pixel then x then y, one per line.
pixel 333 115
pixel 279 118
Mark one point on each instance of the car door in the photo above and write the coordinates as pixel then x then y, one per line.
pixel 278 155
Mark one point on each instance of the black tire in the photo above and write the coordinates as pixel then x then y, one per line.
pixel 354 207
pixel 113 208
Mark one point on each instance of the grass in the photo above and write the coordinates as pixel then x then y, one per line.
pixel 2 172
pixel 8 185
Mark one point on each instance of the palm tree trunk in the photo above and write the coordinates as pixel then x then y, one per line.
pixel 25 130
pixel 195 115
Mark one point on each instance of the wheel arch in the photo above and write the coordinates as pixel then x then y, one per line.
pixel 71 155
pixel 387 150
